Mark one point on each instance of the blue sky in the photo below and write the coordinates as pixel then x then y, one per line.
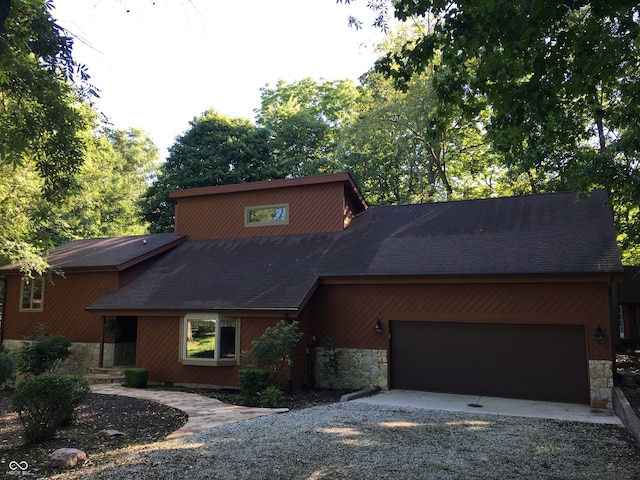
pixel 160 63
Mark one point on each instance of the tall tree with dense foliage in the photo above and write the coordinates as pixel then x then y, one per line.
pixel 302 120
pixel 561 81
pixel 216 150
pixel 407 146
pixel 40 119
pixel 110 184
pixel 102 202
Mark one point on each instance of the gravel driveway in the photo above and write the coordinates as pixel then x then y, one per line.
pixel 358 441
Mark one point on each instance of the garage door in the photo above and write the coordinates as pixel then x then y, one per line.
pixel 538 362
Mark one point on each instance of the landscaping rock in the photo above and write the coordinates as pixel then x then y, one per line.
pixel 65 458
pixel 109 433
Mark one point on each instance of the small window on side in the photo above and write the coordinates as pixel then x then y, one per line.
pixel 265 215
pixel 32 294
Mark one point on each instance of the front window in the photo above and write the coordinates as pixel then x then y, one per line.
pixel 32 294
pixel 266 215
pixel 209 339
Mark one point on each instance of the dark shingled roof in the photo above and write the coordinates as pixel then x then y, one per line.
pixel 267 273
pixel 108 253
pixel 535 234
pixel 530 235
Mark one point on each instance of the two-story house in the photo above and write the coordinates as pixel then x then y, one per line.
pixel 504 297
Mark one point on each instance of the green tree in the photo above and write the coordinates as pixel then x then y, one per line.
pixel 407 146
pixel 102 202
pixel 111 183
pixel 274 349
pixel 560 82
pixel 41 122
pixel 303 120
pixel 39 116
pixel 216 150
pixel 20 204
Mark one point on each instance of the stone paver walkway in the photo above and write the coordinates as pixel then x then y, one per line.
pixel 204 412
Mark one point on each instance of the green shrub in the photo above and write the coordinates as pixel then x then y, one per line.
pixel 330 365
pixel 46 402
pixel 43 355
pixel 7 367
pixel 271 397
pixel 136 377
pixel 79 389
pixel 252 382
pixel 272 351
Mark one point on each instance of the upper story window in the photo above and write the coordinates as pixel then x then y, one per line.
pixel 32 294
pixel 265 215
pixel 209 339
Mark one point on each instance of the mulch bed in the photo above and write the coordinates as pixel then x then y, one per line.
pixel 140 421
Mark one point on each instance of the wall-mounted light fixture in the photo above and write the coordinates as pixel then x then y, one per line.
pixel 599 335
pixel 378 328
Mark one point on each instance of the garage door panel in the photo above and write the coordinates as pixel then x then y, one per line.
pixel 540 362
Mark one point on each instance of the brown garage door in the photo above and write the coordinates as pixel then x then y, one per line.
pixel 538 362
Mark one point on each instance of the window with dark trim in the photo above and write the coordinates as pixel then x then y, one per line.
pixel 32 294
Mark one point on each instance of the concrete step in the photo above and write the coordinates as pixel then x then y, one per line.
pixel 97 375
pixel 108 370
pixel 96 378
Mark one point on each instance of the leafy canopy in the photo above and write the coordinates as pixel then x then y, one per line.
pixel 559 80
pixel 41 124
pixel 216 150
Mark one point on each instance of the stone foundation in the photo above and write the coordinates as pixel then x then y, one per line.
pixel 83 356
pixel 108 355
pixel 357 368
pixel 360 368
pixel 601 383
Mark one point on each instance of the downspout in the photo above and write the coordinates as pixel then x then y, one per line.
pixel 615 317
pixel 289 389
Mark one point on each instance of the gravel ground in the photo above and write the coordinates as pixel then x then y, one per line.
pixel 356 441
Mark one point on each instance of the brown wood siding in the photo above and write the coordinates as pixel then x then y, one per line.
pixel 64 303
pixel 158 350
pixel 303 355
pixel 312 209
pixel 348 312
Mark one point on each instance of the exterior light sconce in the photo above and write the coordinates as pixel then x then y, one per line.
pixel 599 335
pixel 378 328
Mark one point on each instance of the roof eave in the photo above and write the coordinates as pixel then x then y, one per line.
pixel 180 310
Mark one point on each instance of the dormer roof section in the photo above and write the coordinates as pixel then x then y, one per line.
pixel 293 206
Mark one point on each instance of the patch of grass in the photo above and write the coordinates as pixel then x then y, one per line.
pixel 202 346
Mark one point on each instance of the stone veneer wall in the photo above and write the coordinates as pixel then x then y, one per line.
pixel 358 368
pixel 83 356
pixel 601 382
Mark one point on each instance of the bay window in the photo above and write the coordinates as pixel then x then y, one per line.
pixel 209 339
